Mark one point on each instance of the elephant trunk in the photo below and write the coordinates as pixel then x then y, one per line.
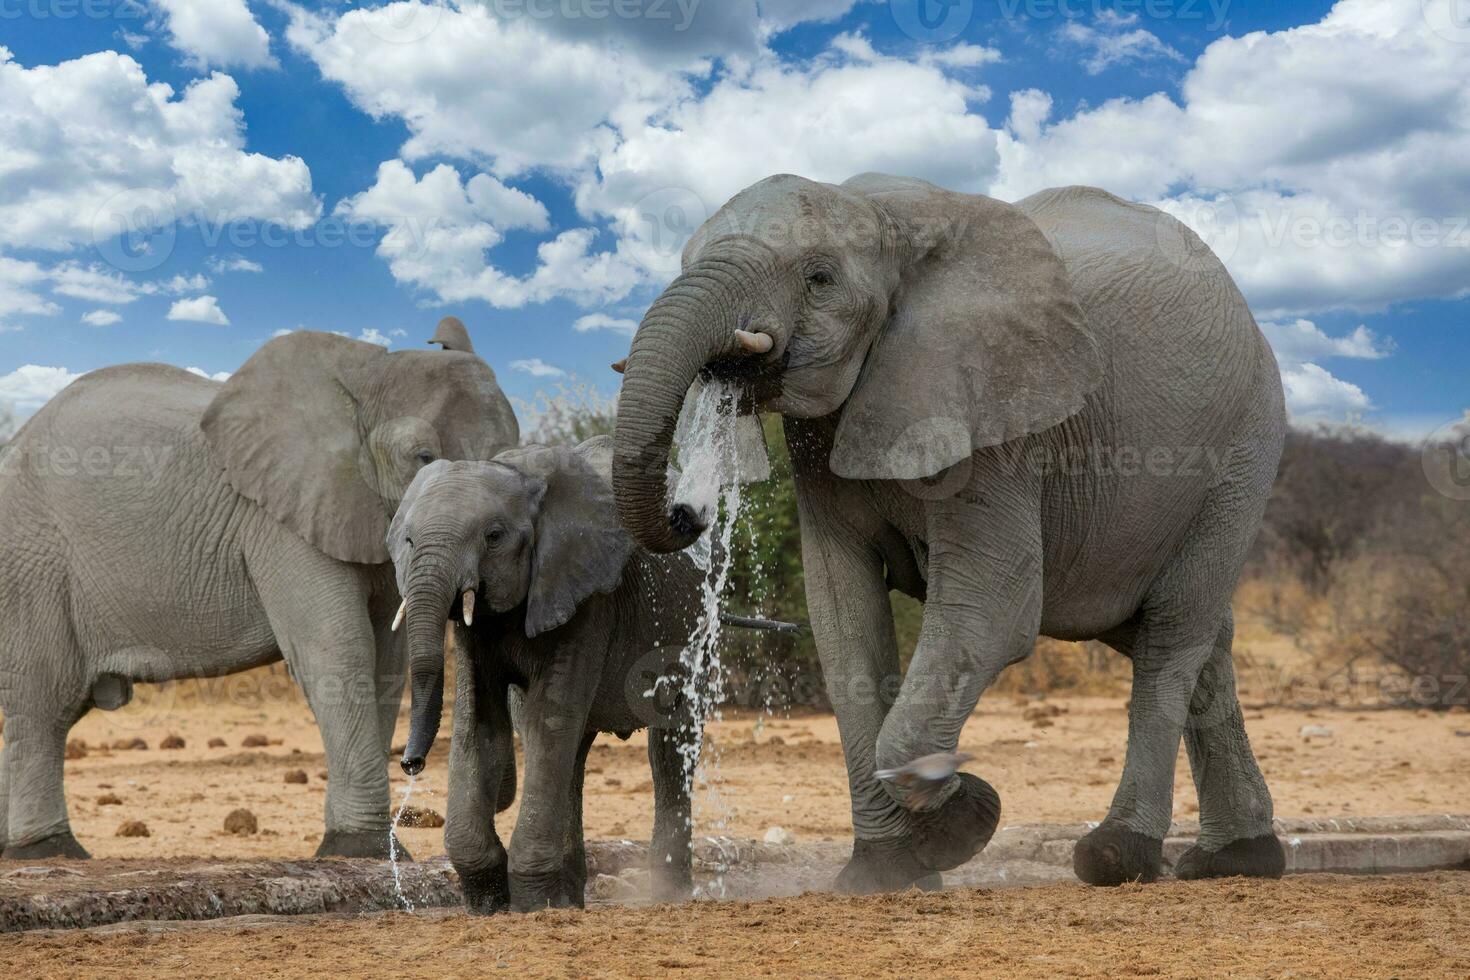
pixel 690 325
pixel 429 594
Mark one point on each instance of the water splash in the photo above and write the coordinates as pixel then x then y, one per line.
pixel 710 484
pixel 393 847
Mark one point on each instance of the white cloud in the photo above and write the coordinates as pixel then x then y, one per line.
pixel 601 321
pixel 200 309
pixel 101 318
pixel 1312 391
pixel 18 296
pixel 216 33
pixel 374 336
pixel 1303 340
pixel 1307 156
pixel 78 140
pixel 98 284
pixel 538 368
pixel 30 386
pixel 1109 42
pixel 220 376
pixel 221 264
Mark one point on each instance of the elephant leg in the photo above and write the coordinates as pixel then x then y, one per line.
pixel 670 860
pixel 852 623
pixel 574 846
pixel 1236 836
pixel 35 824
pixel 553 728
pixel 981 614
pixel 318 610
pixel 480 752
pixel 388 677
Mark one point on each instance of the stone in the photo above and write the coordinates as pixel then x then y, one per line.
pixel 76 749
pixel 779 835
pixel 418 816
pixel 172 742
pixel 255 741
pixel 133 828
pixel 296 776
pixel 109 799
pixel 241 821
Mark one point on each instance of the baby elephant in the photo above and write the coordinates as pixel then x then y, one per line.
pixel 527 553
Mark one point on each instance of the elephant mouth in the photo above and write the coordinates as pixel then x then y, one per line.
pixel 756 381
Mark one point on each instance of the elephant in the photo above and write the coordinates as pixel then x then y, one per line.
pixel 452 335
pixel 1051 417
pixel 157 525
pixel 545 591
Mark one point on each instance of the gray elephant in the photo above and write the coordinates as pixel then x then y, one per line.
pixel 157 525
pixel 1056 416
pixel 526 552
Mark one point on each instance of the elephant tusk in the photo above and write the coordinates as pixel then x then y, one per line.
pixel 620 366
pixel 754 343
pixel 468 600
pixel 398 618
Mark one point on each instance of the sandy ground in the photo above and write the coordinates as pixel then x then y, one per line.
pixel 776 771
pixel 1309 926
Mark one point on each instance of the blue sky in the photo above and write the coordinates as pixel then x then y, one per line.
pixel 532 165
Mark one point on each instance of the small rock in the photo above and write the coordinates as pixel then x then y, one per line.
pixel 242 822
pixel 172 742
pixel 255 742
pixel 419 816
pixel 779 835
pixel 1042 723
pixel 1315 731
pixel 1043 711
pixel 109 799
pixel 76 749
pixel 216 743
pixel 775 740
pixel 787 798
pixel 296 776
pixel 133 828
pixel 130 745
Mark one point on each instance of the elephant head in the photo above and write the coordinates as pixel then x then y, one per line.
pixel 937 323
pixel 534 528
pixel 327 433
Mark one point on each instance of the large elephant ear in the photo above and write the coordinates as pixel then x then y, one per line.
pixel 286 428
pixel 985 341
pixel 581 549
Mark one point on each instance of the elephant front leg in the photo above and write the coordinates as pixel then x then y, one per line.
pixel 852 623
pixel 981 613
pixel 481 757
pixel 670 860
pixel 553 728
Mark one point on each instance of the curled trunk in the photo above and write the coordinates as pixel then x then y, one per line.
pixel 691 324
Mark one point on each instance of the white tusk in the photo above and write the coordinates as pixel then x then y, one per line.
pixel 468 599
pixel 754 343
pixel 398 619
pixel 620 366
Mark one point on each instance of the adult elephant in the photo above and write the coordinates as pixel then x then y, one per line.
pixel 157 525
pixel 1056 416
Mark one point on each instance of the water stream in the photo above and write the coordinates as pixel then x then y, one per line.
pixel 393 846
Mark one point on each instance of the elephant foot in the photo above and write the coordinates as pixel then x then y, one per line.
pixel 672 881
pixel 62 845
pixel 1111 855
pixel 533 892
pixel 959 829
pixel 486 892
pixel 1250 857
pixel 361 844
pixel 884 866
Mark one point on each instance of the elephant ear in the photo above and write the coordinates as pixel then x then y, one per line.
pixel 286 428
pixel 985 341
pixel 581 549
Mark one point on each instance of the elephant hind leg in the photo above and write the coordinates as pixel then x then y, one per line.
pixel 670 859
pixel 1236 835
pixel 35 823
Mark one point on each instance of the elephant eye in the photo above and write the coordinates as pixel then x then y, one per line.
pixel 494 535
pixel 819 277
pixel 425 458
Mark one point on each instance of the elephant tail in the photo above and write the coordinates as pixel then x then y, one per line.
pixel 752 623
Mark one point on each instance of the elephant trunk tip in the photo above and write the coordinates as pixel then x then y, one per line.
pixel 687 524
pixel 412 764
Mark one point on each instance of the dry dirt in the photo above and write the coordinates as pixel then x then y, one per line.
pixel 1309 926
pixel 778 771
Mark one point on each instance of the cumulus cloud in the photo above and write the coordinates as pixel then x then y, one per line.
pixel 101 318
pixel 221 264
pixel 538 368
pixel 18 291
pixel 200 309
pixel 1311 390
pixel 98 284
pixel 216 33
pixel 1113 39
pixel 78 140
pixel 30 386
pixel 1323 163
pixel 601 321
